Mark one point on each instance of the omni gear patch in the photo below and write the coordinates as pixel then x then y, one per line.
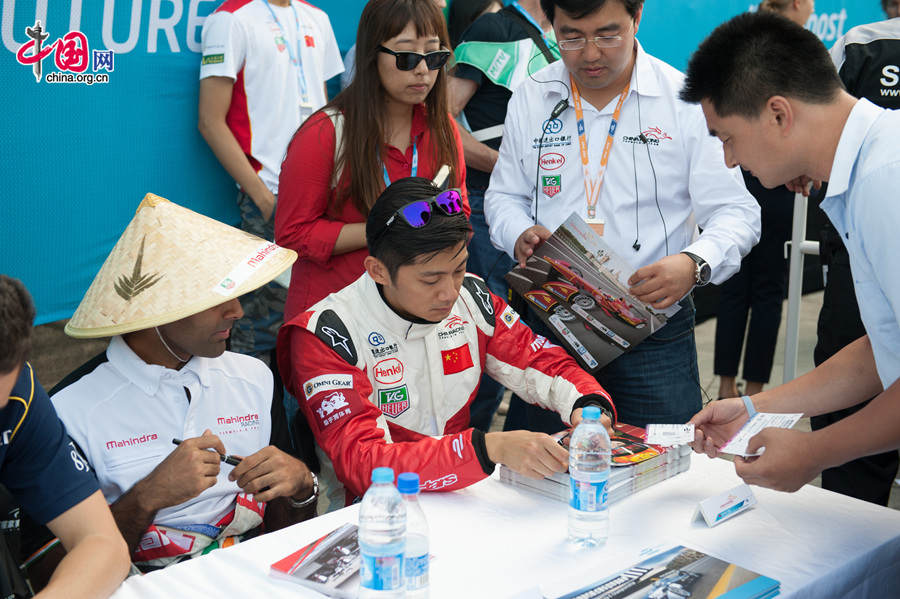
pixel 482 298
pixel 332 331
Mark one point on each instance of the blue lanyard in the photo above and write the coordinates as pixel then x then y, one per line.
pixel 296 60
pixel 531 20
pixel 413 170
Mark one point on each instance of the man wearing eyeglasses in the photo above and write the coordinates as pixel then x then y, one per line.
pixel 385 370
pixel 603 134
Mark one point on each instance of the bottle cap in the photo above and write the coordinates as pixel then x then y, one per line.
pixel 382 475
pixel 591 413
pixel 408 483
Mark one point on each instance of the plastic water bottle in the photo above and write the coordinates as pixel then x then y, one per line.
pixel 382 538
pixel 589 451
pixel 415 561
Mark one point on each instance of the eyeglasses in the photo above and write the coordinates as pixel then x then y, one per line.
pixel 601 41
pixel 407 61
pixel 417 214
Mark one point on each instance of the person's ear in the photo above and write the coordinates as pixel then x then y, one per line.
pixel 637 18
pixel 780 113
pixel 377 270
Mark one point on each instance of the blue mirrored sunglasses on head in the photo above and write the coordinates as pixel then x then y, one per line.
pixel 417 214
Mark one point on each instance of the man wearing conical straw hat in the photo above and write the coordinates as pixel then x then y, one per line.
pixel 157 414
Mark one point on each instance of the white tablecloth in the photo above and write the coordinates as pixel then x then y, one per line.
pixel 492 540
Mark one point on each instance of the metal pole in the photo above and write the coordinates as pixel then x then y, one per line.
pixel 795 288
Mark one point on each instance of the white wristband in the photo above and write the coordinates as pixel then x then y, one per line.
pixel 748 404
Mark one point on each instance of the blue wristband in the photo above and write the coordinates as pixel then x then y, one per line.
pixel 751 411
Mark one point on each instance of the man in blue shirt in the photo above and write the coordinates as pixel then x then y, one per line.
pixel 42 471
pixel 770 92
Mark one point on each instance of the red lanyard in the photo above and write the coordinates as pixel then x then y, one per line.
pixel 592 185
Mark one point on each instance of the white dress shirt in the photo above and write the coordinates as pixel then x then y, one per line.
pixel 649 202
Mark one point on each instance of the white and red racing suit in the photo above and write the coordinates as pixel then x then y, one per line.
pixel 380 390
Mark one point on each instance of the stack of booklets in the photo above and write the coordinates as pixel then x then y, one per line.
pixel 679 573
pixel 325 564
pixel 635 466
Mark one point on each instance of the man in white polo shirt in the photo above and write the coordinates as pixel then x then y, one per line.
pixel 602 133
pixel 168 296
pixel 263 72
pixel 769 90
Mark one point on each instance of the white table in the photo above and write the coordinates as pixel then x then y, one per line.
pixel 492 540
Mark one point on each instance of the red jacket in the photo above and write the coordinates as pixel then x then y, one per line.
pixel 379 390
pixel 306 221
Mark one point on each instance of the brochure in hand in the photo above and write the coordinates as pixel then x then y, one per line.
pixel 324 564
pixel 679 573
pixel 579 287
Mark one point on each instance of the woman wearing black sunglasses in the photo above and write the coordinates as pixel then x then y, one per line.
pixel 392 121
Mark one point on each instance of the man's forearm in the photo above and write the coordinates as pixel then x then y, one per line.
pixel 478 155
pixel 232 158
pixel 873 429
pixel 94 568
pixel 846 379
pixel 133 515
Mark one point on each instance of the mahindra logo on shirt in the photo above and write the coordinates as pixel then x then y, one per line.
pixel 246 420
pixel 552 161
pixel 388 371
pixel 132 442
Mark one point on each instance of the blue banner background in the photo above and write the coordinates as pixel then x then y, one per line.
pixel 78 158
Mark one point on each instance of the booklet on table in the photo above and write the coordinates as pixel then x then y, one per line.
pixel 679 573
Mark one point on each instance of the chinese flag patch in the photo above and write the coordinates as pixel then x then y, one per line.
pixel 456 360
pixel 310 41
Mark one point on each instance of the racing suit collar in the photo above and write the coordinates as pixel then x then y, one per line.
pixel 397 323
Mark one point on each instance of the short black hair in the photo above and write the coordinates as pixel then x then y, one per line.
pixel 578 9
pixel 754 56
pixel 401 244
pixel 16 320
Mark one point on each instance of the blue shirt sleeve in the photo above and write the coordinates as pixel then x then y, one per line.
pixel 41 466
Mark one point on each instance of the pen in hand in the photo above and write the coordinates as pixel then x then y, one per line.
pixel 228 459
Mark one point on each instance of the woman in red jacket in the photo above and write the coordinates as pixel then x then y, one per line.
pixel 391 122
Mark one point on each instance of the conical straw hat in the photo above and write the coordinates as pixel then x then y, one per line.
pixel 171 263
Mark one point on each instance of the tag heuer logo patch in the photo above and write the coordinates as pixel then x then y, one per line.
pixel 214 59
pixel 551 184
pixel 393 402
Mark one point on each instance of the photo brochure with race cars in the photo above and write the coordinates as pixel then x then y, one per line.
pixel 578 286
pixel 681 573
pixel 326 564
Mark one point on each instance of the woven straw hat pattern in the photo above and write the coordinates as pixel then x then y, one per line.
pixel 171 263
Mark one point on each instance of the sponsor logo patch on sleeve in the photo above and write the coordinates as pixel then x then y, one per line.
pixel 327 382
pixel 331 409
pixel 213 59
pixel 509 317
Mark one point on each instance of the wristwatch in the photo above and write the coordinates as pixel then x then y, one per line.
pixel 702 271
pixel 312 498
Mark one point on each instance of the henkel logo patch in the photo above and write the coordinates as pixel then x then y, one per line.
pixel 393 402
pixel 552 161
pixel 388 371
pixel 132 441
